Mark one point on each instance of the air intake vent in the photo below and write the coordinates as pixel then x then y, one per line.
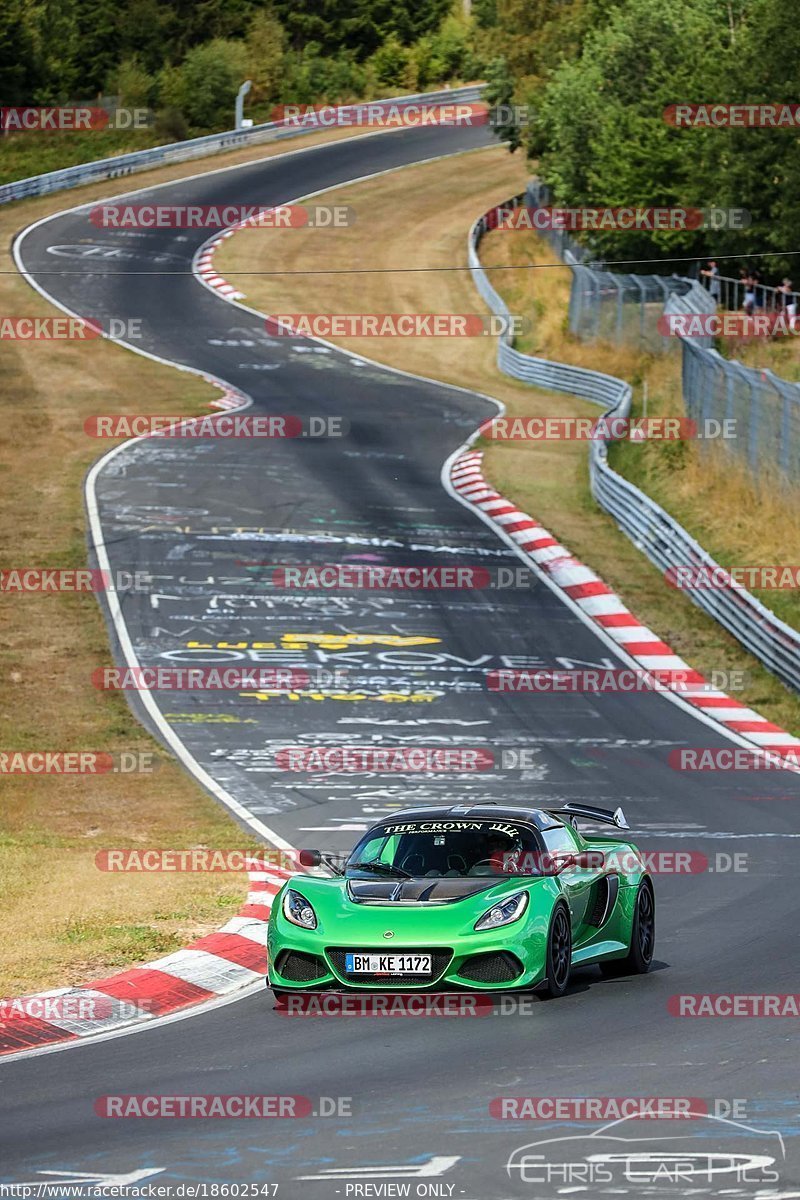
pixel 491 968
pixel 299 967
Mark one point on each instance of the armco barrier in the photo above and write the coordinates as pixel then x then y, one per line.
pixel 652 530
pixel 175 152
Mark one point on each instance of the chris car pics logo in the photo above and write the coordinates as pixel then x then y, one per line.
pixel 715 1155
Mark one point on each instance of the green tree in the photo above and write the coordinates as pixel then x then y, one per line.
pixel 21 73
pixel 602 117
pixel 757 169
pixel 98 42
pixel 266 49
pixel 499 95
pixel 362 26
pixel 204 86
pixel 146 32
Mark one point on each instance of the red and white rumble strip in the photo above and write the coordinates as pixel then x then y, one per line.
pixel 204 265
pixel 217 965
pixel 597 601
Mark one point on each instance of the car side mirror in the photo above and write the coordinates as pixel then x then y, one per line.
pixel 309 858
pixel 585 860
pixel 589 860
pixel 554 864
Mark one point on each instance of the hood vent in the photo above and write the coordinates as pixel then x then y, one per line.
pixel 417 891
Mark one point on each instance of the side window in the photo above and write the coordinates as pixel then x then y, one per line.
pixel 375 849
pixel 559 841
pixel 389 850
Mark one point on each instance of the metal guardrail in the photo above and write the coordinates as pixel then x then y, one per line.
pixel 652 530
pixel 176 152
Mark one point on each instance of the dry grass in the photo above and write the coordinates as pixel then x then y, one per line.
pixel 780 354
pixel 63 920
pixel 548 479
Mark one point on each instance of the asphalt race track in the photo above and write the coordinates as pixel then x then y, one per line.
pixel 209 520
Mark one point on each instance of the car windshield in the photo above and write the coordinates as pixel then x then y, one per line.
pixel 447 849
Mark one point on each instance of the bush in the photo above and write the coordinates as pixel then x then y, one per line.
pixel 391 62
pixel 170 125
pixel 204 86
pixel 450 46
pixel 311 78
pixel 132 84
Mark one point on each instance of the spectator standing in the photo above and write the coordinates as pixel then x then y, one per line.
pixel 787 302
pixel 783 295
pixel 711 273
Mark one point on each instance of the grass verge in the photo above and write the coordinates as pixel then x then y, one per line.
pixel 547 479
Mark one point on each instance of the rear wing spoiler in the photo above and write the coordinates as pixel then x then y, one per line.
pixel 572 813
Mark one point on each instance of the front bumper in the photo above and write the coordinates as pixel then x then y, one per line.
pixel 481 962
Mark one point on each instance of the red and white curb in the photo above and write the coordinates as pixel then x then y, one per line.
pixel 229 400
pixel 216 965
pixel 598 602
pixel 204 264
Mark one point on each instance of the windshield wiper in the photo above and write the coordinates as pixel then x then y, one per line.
pixel 379 868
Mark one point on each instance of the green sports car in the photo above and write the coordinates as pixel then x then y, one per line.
pixel 478 897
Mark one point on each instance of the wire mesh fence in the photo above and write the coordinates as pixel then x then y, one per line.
pixel 764 409
pixel 608 305
pixel 625 309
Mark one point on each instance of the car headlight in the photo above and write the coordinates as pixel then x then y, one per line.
pixel 297 910
pixel 504 912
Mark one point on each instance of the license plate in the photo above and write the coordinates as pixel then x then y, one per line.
pixel 388 964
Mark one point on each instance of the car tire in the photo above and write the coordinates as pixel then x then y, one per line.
pixel 559 954
pixel 639 958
